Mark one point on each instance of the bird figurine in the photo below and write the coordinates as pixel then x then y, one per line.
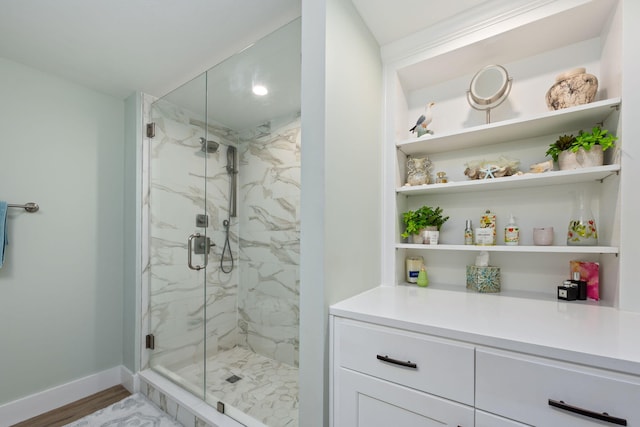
pixel 423 121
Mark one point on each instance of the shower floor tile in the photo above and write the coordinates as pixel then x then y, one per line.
pixel 265 389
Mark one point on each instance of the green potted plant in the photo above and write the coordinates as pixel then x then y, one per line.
pixel 582 151
pixel 561 144
pixel 416 222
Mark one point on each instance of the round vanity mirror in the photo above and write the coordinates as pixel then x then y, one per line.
pixel 489 88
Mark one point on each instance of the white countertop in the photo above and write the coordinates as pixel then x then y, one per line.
pixel 573 331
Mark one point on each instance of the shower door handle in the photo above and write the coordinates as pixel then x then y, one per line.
pixel 190 251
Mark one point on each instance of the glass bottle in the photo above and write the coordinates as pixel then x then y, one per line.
pixel 582 224
pixel 468 233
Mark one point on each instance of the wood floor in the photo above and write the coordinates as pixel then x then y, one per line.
pixel 76 410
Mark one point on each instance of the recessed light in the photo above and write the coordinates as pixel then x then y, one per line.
pixel 260 90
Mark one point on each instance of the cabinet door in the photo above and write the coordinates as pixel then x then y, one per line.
pixel 364 401
pixel 484 419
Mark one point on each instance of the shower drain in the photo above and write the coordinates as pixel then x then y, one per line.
pixel 233 378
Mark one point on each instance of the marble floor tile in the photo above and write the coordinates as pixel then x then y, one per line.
pixel 265 389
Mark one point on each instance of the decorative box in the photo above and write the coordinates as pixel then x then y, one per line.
pixel 590 273
pixel 488 220
pixel 483 279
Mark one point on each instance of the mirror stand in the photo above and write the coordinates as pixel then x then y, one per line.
pixel 489 88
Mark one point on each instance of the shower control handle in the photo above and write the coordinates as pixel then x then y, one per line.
pixel 190 251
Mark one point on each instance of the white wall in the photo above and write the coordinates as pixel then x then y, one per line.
pixel 341 181
pixel 61 145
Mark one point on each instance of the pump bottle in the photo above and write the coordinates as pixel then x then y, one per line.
pixel 512 232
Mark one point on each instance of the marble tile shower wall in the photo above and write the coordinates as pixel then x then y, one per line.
pixel 177 193
pixel 269 193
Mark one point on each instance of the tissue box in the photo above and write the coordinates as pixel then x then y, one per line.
pixel 483 279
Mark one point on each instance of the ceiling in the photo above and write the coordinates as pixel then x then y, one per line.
pixel 121 46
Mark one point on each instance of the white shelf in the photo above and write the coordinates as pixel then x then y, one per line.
pixel 541 296
pixel 514 182
pixel 566 120
pixel 514 249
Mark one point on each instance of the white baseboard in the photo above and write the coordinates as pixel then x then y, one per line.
pixel 129 380
pixel 44 401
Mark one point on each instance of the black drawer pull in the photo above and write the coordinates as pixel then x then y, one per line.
pixel 408 364
pixel 597 415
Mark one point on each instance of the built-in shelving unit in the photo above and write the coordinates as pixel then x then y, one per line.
pixel 524 132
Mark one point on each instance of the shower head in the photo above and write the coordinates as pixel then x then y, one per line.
pixel 208 146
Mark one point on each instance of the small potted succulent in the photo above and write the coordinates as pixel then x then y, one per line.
pixel 421 220
pixel 582 151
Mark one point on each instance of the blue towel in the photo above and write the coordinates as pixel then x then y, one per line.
pixel 3 230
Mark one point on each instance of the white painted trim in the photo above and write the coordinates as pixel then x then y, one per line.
pixel 47 400
pixel 471 22
pixel 129 380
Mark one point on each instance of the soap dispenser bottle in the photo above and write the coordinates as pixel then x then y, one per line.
pixel 512 232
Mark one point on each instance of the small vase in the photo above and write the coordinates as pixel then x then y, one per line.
pixel 574 87
pixel 418 169
pixel 582 225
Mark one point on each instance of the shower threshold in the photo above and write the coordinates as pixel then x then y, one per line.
pixel 263 390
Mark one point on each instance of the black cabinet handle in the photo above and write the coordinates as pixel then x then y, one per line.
pixel 597 415
pixel 387 359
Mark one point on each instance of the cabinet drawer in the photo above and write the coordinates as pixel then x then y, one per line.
pixel 522 388
pixel 434 365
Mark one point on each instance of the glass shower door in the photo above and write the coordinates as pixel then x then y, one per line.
pixel 225 165
pixel 178 243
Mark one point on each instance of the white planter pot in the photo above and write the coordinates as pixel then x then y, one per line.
pixel 581 159
pixel 423 236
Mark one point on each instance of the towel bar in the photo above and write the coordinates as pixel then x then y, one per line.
pixel 29 207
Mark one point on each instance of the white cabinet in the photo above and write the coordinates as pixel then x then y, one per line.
pixel 387 370
pixel 385 376
pixel 522 129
